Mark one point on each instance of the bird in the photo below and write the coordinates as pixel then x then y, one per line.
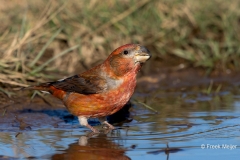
pixel 102 90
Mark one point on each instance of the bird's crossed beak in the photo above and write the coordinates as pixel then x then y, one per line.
pixel 142 54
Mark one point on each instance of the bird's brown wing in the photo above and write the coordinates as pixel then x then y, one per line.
pixel 84 84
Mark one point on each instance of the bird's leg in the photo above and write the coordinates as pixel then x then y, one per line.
pixel 103 120
pixel 83 121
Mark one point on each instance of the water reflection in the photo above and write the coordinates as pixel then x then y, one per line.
pixel 93 147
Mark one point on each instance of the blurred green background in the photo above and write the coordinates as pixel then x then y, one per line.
pixel 44 40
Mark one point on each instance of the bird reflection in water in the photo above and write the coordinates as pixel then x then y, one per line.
pixel 96 147
pixel 99 146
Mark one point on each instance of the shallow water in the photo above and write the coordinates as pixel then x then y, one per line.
pixel 189 123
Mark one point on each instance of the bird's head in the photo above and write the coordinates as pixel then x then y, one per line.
pixel 128 58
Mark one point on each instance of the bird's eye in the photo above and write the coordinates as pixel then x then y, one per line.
pixel 125 52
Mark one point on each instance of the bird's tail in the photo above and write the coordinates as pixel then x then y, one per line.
pixel 40 87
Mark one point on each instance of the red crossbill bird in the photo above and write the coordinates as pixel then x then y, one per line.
pixel 102 90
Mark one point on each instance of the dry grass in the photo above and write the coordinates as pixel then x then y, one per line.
pixel 43 40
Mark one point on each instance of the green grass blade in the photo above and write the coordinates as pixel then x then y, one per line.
pixel 4 112
pixel 8 93
pixel 52 59
pixel 147 106
pixel 23 26
pixel 45 47
pixel 209 90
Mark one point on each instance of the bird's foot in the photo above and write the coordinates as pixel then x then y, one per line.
pixel 94 130
pixel 111 127
pixel 107 126
pixel 83 121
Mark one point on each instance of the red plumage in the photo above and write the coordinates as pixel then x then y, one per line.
pixel 102 90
